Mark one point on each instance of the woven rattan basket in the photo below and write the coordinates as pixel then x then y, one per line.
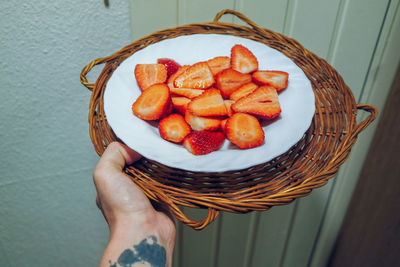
pixel 307 165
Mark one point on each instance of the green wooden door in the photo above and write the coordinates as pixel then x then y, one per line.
pixel 353 36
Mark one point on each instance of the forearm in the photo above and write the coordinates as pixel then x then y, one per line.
pixel 137 244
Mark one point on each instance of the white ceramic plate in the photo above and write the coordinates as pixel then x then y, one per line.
pixel 297 104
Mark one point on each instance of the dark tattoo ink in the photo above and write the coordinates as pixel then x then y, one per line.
pixel 147 251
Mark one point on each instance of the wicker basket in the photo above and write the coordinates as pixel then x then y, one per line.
pixel 307 165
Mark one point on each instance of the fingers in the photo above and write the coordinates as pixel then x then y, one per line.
pixel 117 155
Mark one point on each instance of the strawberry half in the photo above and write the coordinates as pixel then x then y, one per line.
pixel 197 76
pixel 172 78
pixel 180 103
pixel 244 130
pixel 171 65
pixel 174 128
pixel 243 60
pixel 210 103
pixel 198 123
pixel 244 90
pixel 152 103
pixel 229 80
pixel 262 103
pixel 228 104
pixel 203 142
pixel 219 64
pixel 187 92
pixel 277 79
pixel 149 74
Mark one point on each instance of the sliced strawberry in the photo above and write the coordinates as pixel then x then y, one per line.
pixel 219 64
pixel 187 92
pixel 229 80
pixel 244 130
pixel 244 90
pixel 197 76
pixel 198 123
pixel 203 142
pixel 228 104
pixel 210 103
pixel 223 124
pixel 174 128
pixel 152 103
pixel 243 60
pixel 180 103
pixel 172 78
pixel 262 103
pixel 171 65
pixel 277 79
pixel 149 74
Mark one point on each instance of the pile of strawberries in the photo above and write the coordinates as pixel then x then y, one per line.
pixel 200 105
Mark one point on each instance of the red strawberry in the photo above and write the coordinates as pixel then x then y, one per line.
pixel 174 128
pixel 152 103
pixel 197 76
pixel 218 64
pixel 244 130
pixel 149 74
pixel 210 103
pixel 243 60
pixel 198 123
pixel 180 103
pixel 262 103
pixel 203 142
pixel 229 80
pixel 244 90
pixel 187 92
pixel 171 65
pixel 277 79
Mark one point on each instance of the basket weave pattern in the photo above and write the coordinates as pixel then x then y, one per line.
pixel 307 165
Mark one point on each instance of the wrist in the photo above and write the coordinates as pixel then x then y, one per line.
pixel 132 235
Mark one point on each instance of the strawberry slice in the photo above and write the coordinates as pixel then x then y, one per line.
pixel 197 76
pixel 172 78
pixel 229 80
pixel 244 131
pixel 210 103
pixel 187 92
pixel 198 123
pixel 277 79
pixel 180 103
pixel 171 65
pixel 243 60
pixel 262 103
pixel 223 124
pixel 149 74
pixel 152 103
pixel 174 128
pixel 244 90
pixel 219 64
pixel 228 104
pixel 203 142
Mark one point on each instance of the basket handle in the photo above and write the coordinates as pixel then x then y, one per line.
pixel 89 67
pixel 240 16
pixel 373 112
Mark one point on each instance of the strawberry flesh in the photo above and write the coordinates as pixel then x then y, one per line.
pixel 174 128
pixel 243 60
pixel 262 103
pixel 229 80
pixel 197 76
pixel 277 79
pixel 244 131
pixel 210 103
pixel 153 103
pixel 150 74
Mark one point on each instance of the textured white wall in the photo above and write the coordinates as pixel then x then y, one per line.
pixel 48 215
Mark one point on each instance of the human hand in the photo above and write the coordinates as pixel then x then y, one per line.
pixel 134 223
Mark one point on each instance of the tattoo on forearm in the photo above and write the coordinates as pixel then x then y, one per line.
pixel 147 251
